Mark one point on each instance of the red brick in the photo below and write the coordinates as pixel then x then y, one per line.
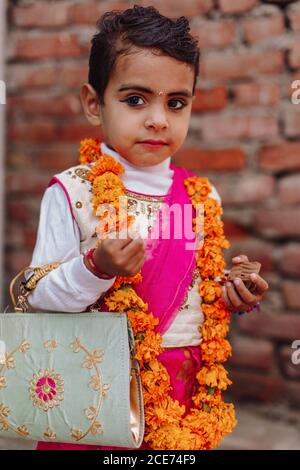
pixel 285 356
pixel 246 352
pixel 278 222
pixel 30 234
pixel 291 294
pixel 34 131
pixel 14 236
pixel 175 9
pixel 213 99
pixel 291 119
pixel 19 211
pixel 214 34
pixel 285 327
pixel 259 29
pixel 236 7
pixel 26 184
pixel 257 250
pixel 18 159
pixel 17 260
pixel 253 386
pixel 73 76
pixel 45 45
pixel 289 189
pixel 41 14
pixel 292 393
pixel 290 259
pixel 231 159
pixel 86 12
pixel 247 189
pixel 30 76
pixel 89 11
pixel 75 132
pixel 238 126
pixel 243 64
pixel 57 158
pixel 293 14
pixel 256 94
pixel 294 55
pixel 281 157
pixel 39 104
pixel 234 230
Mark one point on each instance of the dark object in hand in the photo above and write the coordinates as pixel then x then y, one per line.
pixel 243 271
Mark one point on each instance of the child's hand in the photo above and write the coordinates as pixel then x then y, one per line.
pixel 120 257
pixel 235 294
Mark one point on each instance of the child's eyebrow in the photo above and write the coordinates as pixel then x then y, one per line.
pixel 186 93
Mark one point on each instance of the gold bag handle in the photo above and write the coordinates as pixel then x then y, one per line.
pixel 20 304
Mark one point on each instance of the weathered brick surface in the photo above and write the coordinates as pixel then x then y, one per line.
pixel 244 135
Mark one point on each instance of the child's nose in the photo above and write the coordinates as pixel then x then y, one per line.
pixel 157 120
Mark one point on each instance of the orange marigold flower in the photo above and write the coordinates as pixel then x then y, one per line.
pixel 107 188
pixel 210 291
pixel 89 151
pixel 203 397
pixel 218 310
pixel 216 350
pixel 165 412
pixel 156 382
pixel 126 280
pixel 213 328
pixel 141 321
pixel 148 348
pixel 105 164
pixel 214 376
pixel 124 299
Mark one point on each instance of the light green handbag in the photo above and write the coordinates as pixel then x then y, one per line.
pixel 70 377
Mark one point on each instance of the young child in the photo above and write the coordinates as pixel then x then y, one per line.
pixel 142 75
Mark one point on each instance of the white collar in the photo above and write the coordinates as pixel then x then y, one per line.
pixel 153 180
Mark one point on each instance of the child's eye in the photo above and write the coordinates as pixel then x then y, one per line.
pixel 134 100
pixel 176 104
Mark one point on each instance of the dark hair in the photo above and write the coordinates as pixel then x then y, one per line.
pixel 142 27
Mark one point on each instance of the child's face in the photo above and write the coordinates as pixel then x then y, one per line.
pixel 148 98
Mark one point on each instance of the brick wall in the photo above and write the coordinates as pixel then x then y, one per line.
pixel 244 135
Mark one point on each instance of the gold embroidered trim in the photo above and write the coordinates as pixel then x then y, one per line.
pixel 91 360
pixel 144 198
pixel 49 434
pixel 10 363
pixel 82 173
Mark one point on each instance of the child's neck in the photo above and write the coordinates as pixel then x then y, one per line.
pixel 152 180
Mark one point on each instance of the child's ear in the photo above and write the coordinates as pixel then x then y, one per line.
pixel 90 104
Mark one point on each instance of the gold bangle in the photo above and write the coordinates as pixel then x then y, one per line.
pixel 21 305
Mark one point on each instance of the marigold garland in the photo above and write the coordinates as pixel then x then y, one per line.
pixel 167 424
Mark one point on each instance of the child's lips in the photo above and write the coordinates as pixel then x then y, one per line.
pixel 153 143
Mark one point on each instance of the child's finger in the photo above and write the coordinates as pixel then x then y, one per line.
pixel 240 259
pixel 261 285
pixel 244 293
pixel 234 298
pixel 226 299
